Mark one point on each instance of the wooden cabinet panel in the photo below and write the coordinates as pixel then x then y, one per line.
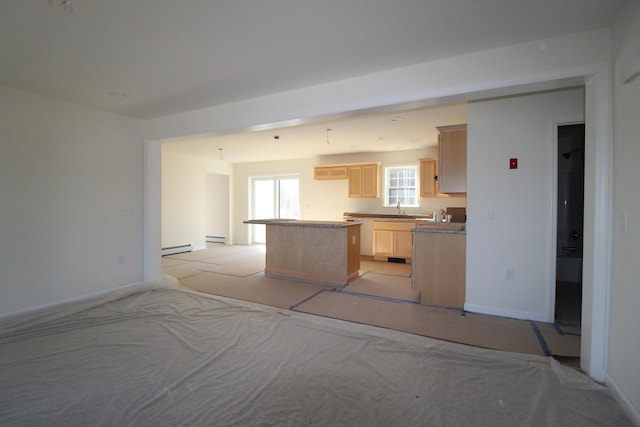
pixel 364 180
pixel 452 174
pixel 403 244
pixel 428 174
pixel 318 254
pixel 330 172
pixel 355 181
pixel 392 239
pixel 383 243
pixel 370 181
pixel 439 268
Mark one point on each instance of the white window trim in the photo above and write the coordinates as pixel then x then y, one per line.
pixel 385 199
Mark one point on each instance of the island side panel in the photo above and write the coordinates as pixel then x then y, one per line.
pixel 325 254
pixel 439 268
pixel 313 252
pixel 353 252
pixel 283 251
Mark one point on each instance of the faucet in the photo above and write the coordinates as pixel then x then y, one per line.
pixel 398 207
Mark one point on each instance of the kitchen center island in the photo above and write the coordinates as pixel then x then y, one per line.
pixel 316 251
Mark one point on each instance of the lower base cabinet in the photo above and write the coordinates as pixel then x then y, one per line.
pixel 439 267
pixel 392 239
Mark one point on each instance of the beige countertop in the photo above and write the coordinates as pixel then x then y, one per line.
pixel 401 217
pixel 302 223
pixel 454 228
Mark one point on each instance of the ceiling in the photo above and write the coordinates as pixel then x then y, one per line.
pixel 402 130
pixel 151 58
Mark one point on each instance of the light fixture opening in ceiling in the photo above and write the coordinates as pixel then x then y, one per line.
pixel 118 95
pixel 66 5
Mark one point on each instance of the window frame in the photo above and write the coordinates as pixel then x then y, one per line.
pixel 388 188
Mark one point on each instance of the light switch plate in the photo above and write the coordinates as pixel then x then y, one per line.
pixel 489 213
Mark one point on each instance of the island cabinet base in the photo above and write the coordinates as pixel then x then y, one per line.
pixel 313 253
pixel 439 266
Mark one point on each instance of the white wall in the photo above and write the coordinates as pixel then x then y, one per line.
pixel 510 69
pixel 327 200
pixel 521 234
pixel 183 196
pixel 624 336
pixel 71 208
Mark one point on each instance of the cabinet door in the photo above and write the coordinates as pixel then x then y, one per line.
pixel 452 143
pixel 428 174
pixel 339 172
pixel 370 181
pixel 330 172
pixel 355 181
pixel 322 172
pixel 364 181
pixel 383 242
pixel 403 244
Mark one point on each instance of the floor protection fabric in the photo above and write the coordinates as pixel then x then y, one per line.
pixel 163 355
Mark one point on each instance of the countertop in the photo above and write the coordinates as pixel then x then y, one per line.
pixel 454 228
pixel 389 217
pixel 302 223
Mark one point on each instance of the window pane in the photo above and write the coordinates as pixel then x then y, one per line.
pixel 288 200
pixel 401 185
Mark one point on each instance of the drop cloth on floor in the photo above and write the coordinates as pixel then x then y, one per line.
pixel 167 356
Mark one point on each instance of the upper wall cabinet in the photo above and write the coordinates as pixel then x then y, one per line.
pixel 331 172
pixel 429 177
pixel 364 180
pixel 452 144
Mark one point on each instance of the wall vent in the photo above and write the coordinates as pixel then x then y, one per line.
pixel 172 250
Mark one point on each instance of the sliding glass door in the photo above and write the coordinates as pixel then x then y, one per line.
pixel 273 197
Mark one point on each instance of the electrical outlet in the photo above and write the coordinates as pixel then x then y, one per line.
pixel 509 274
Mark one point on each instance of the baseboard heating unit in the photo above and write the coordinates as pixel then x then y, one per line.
pixel 216 239
pixel 172 250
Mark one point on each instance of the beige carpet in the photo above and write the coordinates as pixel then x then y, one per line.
pixel 381 296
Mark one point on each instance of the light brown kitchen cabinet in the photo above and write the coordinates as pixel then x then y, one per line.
pixel 392 239
pixel 428 177
pixel 452 145
pixel 331 172
pixel 429 186
pixel 439 268
pixel 364 180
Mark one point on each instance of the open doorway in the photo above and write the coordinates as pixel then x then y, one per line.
pixel 570 214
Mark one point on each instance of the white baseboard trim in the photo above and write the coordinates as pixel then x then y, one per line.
pixel 79 298
pixel 502 312
pixel 624 402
